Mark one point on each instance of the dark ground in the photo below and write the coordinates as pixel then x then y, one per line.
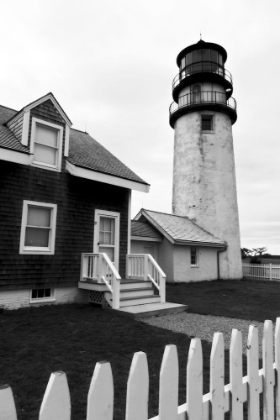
pixel 72 338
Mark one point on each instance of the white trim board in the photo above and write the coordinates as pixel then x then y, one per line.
pixel 14 156
pixel 145 238
pixel 105 178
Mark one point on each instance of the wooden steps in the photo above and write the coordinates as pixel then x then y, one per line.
pixel 139 298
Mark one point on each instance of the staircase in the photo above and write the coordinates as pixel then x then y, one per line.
pixel 134 292
pixel 138 299
pixel 141 294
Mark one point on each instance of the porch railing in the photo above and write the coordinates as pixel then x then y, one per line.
pixel 99 267
pixel 261 271
pixel 144 267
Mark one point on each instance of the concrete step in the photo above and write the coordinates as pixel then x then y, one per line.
pixel 151 309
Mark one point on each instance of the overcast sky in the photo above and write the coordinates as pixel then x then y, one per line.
pixel 110 65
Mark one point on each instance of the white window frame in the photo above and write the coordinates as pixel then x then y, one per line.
pixel 59 128
pixel 196 254
pixel 38 250
pixel 51 298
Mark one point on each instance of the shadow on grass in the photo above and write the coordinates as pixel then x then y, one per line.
pixel 72 338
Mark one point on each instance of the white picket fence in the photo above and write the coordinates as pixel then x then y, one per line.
pixel 221 398
pixel 261 271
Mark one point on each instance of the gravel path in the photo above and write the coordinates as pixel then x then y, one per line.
pixel 204 326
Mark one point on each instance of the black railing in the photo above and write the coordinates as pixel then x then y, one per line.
pixel 209 97
pixel 201 67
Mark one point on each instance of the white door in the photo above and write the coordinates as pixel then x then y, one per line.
pixel 107 234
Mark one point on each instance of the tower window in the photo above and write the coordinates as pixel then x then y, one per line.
pixel 207 122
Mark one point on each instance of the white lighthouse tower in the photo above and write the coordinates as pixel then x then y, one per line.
pixel 202 115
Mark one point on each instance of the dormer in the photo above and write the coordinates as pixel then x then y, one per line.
pixel 43 128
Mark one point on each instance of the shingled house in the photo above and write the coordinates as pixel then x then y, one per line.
pixel 62 194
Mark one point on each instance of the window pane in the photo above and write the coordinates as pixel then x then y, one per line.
pixel 197 56
pixel 46 135
pixel 183 62
pixel 39 216
pixel 34 293
pixel 108 251
pixel 214 56
pixel 107 231
pixel 189 59
pixel 37 237
pixel 40 293
pixel 206 55
pixel 45 154
pixel 47 292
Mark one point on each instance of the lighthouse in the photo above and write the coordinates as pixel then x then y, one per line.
pixel 204 182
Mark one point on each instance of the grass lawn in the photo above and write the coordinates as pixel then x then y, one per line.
pixel 72 338
pixel 244 299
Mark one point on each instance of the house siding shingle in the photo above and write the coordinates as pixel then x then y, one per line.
pixel 76 200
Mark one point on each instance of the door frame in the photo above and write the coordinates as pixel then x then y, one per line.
pixel 116 217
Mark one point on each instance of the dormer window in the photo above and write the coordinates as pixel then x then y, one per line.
pixel 46 144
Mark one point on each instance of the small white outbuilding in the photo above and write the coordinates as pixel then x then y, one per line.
pixel 185 251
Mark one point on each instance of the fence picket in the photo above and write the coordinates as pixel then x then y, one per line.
pixel 169 384
pixel 194 381
pixel 253 389
pixel 236 375
pixel 217 377
pixel 56 402
pixel 277 367
pixel 137 388
pixel 100 401
pixel 268 401
pixel 7 404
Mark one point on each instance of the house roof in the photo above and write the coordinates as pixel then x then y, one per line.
pixel 84 151
pixel 144 230
pixel 180 230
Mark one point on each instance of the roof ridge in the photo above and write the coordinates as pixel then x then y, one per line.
pixel 80 131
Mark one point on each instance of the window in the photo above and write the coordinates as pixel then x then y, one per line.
pixel 207 122
pixel 46 144
pixel 194 262
pixel 38 228
pixel 42 295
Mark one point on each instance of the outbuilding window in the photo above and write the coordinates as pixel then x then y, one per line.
pixel 38 228
pixel 194 259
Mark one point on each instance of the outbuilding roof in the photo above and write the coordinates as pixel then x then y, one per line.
pixel 144 230
pixel 179 229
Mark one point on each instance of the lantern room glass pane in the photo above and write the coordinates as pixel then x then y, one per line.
pixel 206 55
pixel 197 56
pixel 214 56
pixel 189 59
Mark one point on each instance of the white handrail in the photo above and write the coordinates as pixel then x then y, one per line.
pixel 144 267
pixel 99 267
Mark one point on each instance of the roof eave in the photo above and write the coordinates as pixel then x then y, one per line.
pixel 106 178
